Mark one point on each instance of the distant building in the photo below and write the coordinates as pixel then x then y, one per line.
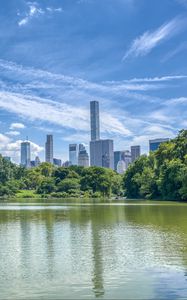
pixel 83 157
pixel 154 144
pixel 8 158
pixel 49 149
pixel 117 158
pixel 25 154
pixel 37 161
pixel 126 157
pixel 73 154
pixel 121 167
pixel 135 152
pixel 94 120
pixel 57 162
pixel 102 154
pixel 66 164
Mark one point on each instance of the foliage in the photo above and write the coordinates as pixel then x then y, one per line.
pixel 162 174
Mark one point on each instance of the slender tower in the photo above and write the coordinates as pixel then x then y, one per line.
pixel 94 120
pixel 49 149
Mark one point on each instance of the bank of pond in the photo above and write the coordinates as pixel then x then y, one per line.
pixel 160 175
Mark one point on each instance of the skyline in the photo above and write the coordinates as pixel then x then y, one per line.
pixel 56 56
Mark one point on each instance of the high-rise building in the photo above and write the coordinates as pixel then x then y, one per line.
pixel 73 154
pixel 25 154
pixel 49 149
pixel 121 167
pixel 37 161
pixel 126 157
pixel 94 120
pixel 57 162
pixel 102 154
pixel 117 158
pixel 8 158
pixel 154 144
pixel 83 157
pixel 135 152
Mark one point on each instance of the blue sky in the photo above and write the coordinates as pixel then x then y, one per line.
pixel 57 55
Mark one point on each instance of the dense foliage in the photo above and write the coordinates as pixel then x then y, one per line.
pixel 48 180
pixel 162 174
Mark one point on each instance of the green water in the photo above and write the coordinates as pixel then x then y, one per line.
pixel 119 250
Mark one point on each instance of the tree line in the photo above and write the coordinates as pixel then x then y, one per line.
pixel 160 175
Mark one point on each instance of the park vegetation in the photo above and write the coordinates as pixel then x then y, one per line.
pixel 160 175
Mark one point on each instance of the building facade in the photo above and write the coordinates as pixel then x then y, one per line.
pixel 154 144
pixel 135 152
pixel 57 162
pixel 25 154
pixel 117 158
pixel 94 120
pixel 73 154
pixel 102 153
pixel 83 157
pixel 49 149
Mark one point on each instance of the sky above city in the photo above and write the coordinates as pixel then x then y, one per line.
pixel 58 55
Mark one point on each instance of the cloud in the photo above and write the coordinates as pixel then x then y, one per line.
pixel 177 50
pixel 9 147
pixel 34 10
pixel 17 126
pixel 144 44
pixel 62 114
pixel 13 133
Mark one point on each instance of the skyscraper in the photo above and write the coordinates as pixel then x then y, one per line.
pixel 73 154
pixel 117 158
pixel 135 152
pixel 102 154
pixel 94 120
pixel 57 162
pixel 25 154
pixel 49 149
pixel 154 144
pixel 83 157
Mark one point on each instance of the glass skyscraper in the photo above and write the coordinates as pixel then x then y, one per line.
pixel 49 149
pixel 83 157
pixel 154 144
pixel 25 154
pixel 94 120
pixel 73 154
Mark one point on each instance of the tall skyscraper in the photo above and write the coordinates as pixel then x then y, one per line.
pixel 117 158
pixel 94 120
pixel 135 152
pixel 49 149
pixel 154 144
pixel 83 157
pixel 25 154
pixel 73 154
pixel 102 154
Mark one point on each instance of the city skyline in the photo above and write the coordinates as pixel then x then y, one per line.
pixel 57 56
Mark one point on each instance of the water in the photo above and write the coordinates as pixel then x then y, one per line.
pixel 128 250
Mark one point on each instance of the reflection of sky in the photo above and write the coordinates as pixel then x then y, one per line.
pixel 90 252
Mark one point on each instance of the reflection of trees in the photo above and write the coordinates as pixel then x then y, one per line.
pixel 97 256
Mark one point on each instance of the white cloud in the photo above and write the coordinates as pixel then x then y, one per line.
pixel 17 126
pixel 11 148
pixel 35 11
pixel 64 115
pixel 13 133
pixel 142 45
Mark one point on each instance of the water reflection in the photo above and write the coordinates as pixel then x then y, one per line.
pixel 94 251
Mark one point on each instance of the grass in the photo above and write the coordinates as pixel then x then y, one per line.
pixel 27 194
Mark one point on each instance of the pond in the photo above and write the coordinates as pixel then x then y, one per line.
pixel 82 250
